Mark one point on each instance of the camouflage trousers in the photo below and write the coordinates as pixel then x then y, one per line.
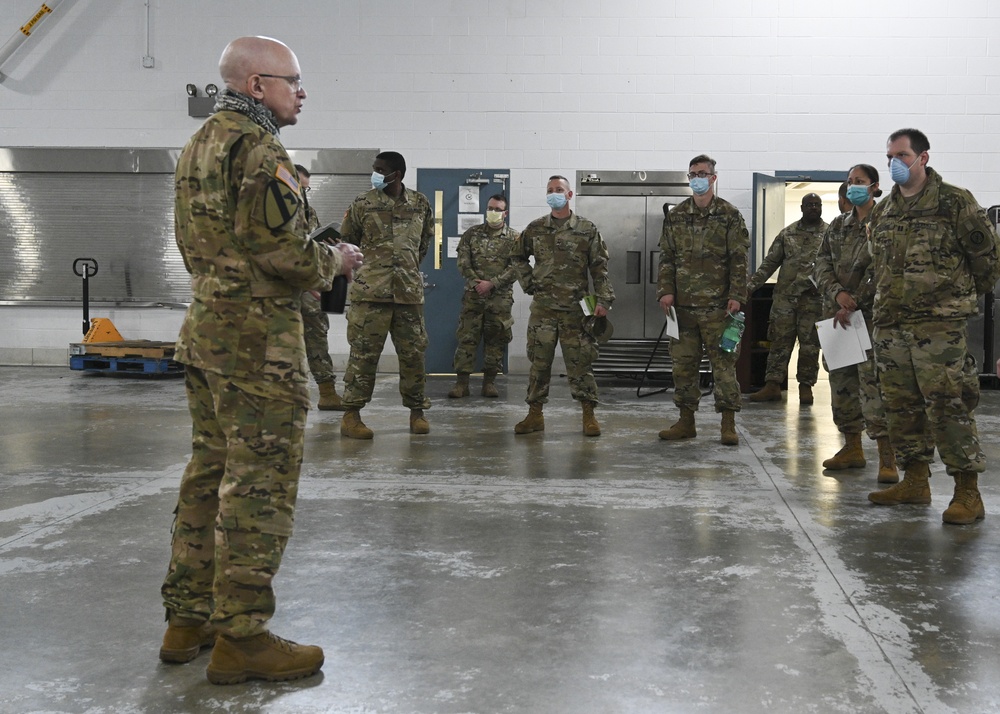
pixel 368 324
pixel 792 318
pixel 855 395
pixel 236 506
pixel 546 328
pixel 700 327
pixel 483 319
pixel 926 379
pixel 856 399
pixel 316 325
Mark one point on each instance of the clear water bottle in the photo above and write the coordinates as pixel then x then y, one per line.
pixel 733 333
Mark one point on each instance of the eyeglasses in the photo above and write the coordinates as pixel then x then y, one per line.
pixel 700 174
pixel 293 79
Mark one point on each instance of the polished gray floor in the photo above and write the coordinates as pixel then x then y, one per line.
pixel 474 571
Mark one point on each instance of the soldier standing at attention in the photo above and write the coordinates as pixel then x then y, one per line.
pixel 569 255
pixel 703 275
pixel 934 251
pixel 394 226
pixel 238 230
pixel 843 273
pixel 484 261
pixel 315 322
pixel 796 304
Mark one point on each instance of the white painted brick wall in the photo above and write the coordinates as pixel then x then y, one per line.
pixel 540 86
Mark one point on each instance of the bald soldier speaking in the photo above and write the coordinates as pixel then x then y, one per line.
pixel 238 228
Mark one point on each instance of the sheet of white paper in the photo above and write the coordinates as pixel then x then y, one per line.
pixel 468 199
pixel 467 221
pixel 453 246
pixel 673 330
pixel 842 346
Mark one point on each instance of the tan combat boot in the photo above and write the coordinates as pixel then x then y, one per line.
pixel 489 386
pixel 590 425
pixel 914 488
pixel 264 656
pixel 352 427
pixel 887 472
pixel 418 423
pixel 967 505
pixel 683 428
pixel 770 393
pixel 535 421
pixel 852 456
pixel 185 638
pixel 329 400
pixel 461 388
pixel 729 437
pixel 805 395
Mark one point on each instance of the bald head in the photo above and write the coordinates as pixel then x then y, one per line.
pixel 266 70
pixel 246 56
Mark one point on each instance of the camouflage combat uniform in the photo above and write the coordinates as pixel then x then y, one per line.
pixel 315 322
pixel 703 264
pixel 484 254
pixel 569 255
pixel 387 294
pixel 932 255
pixel 241 342
pixel 796 304
pixel 843 264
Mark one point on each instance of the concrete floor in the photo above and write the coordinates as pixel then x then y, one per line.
pixel 472 571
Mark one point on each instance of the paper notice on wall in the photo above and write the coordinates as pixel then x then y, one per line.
pixel 468 199
pixel 467 221
pixel 453 246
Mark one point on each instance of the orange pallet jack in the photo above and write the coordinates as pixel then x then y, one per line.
pixel 104 350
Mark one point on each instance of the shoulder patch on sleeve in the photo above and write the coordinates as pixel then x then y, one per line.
pixel 281 203
pixel 286 177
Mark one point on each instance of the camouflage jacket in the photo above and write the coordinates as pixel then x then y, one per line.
pixel 485 254
pixel 932 257
pixel 239 232
pixel 792 253
pixel 703 254
pixel 568 257
pixel 310 219
pixel 844 263
pixel 394 235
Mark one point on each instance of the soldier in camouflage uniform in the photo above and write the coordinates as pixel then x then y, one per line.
pixel 796 305
pixel 569 254
pixel 844 275
pixel 485 262
pixel 237 204
pixel 703 276
pixel 394 226
pixel 934 250
pixel 315 322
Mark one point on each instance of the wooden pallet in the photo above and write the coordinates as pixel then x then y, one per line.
pixel 125 357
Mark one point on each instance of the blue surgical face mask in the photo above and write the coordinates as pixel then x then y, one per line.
pixel 857 194
pixel 699 186
pixel 899 171
pixel 556 201
pixel 378 180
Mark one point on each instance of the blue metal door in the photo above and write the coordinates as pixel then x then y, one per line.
pixel 452 193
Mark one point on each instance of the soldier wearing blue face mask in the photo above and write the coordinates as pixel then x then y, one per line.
pixel 570 256
pixel 934 251
pixel 703 275
pixel 395 224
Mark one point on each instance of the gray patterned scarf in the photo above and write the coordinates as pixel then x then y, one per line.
pixel 228 100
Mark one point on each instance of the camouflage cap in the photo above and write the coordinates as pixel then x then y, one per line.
pixel 600 328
